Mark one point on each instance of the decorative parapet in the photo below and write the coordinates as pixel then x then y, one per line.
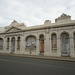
pixel 16 24
pixel 1 29
pixel 63 18
pixel 47 22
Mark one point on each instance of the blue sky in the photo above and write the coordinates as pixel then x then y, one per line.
pixel 34 12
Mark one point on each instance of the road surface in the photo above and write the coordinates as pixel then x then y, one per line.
pixel 10 65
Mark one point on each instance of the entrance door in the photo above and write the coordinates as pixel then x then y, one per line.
pixel 41 44
pixel 13 45
pixel 65 45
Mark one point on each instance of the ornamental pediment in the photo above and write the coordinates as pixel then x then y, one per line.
pixel 13 29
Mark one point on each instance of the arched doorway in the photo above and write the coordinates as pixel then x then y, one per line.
pixel 13 44
pixel 41 44
pixel 65 44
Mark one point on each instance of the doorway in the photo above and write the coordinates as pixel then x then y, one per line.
pixel 41 44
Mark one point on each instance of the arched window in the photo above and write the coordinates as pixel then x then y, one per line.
pixel 54 41
pixel 65 44
pixel 1 43
pixel 13 44
pixel 41 43
pixel 18 43
pixel 31 42
pixel 7 43
pixel 74 40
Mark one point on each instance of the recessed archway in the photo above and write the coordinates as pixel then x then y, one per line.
pixel 65 44
pixel 13 44
pixel 31 43
pixel 41 44
pixel 8 43
pixel 18 43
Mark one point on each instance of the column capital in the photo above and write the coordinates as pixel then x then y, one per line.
pixel 15 38
pixel 71 37
pixel 10 39
pixel 37 38
pixel 49 38
pixel 58 38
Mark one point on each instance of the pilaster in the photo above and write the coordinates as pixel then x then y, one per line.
pixel 58 47
pixel 72 47
pixel 22 44
pixel 47 44
pixel 5 45
pixel 37 46
pixel 15 44
pixel 10 46
pixel 50 46
pixel 25 44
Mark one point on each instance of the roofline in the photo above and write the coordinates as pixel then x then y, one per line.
pixel 53 25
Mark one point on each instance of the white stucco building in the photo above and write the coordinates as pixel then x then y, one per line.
pixel 48 39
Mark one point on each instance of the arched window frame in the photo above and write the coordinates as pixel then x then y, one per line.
pixel 41 39
pixel 13 44
pixel 7 43
pixel 54 41
pixel 31 42
pixel 18 43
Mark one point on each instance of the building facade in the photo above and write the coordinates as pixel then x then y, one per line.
pixel 48 39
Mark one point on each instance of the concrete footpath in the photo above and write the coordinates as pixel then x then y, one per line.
pixel 70 59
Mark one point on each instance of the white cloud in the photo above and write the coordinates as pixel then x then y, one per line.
pixel 34 12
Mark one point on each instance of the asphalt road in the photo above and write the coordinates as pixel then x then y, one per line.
pixel 27 66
